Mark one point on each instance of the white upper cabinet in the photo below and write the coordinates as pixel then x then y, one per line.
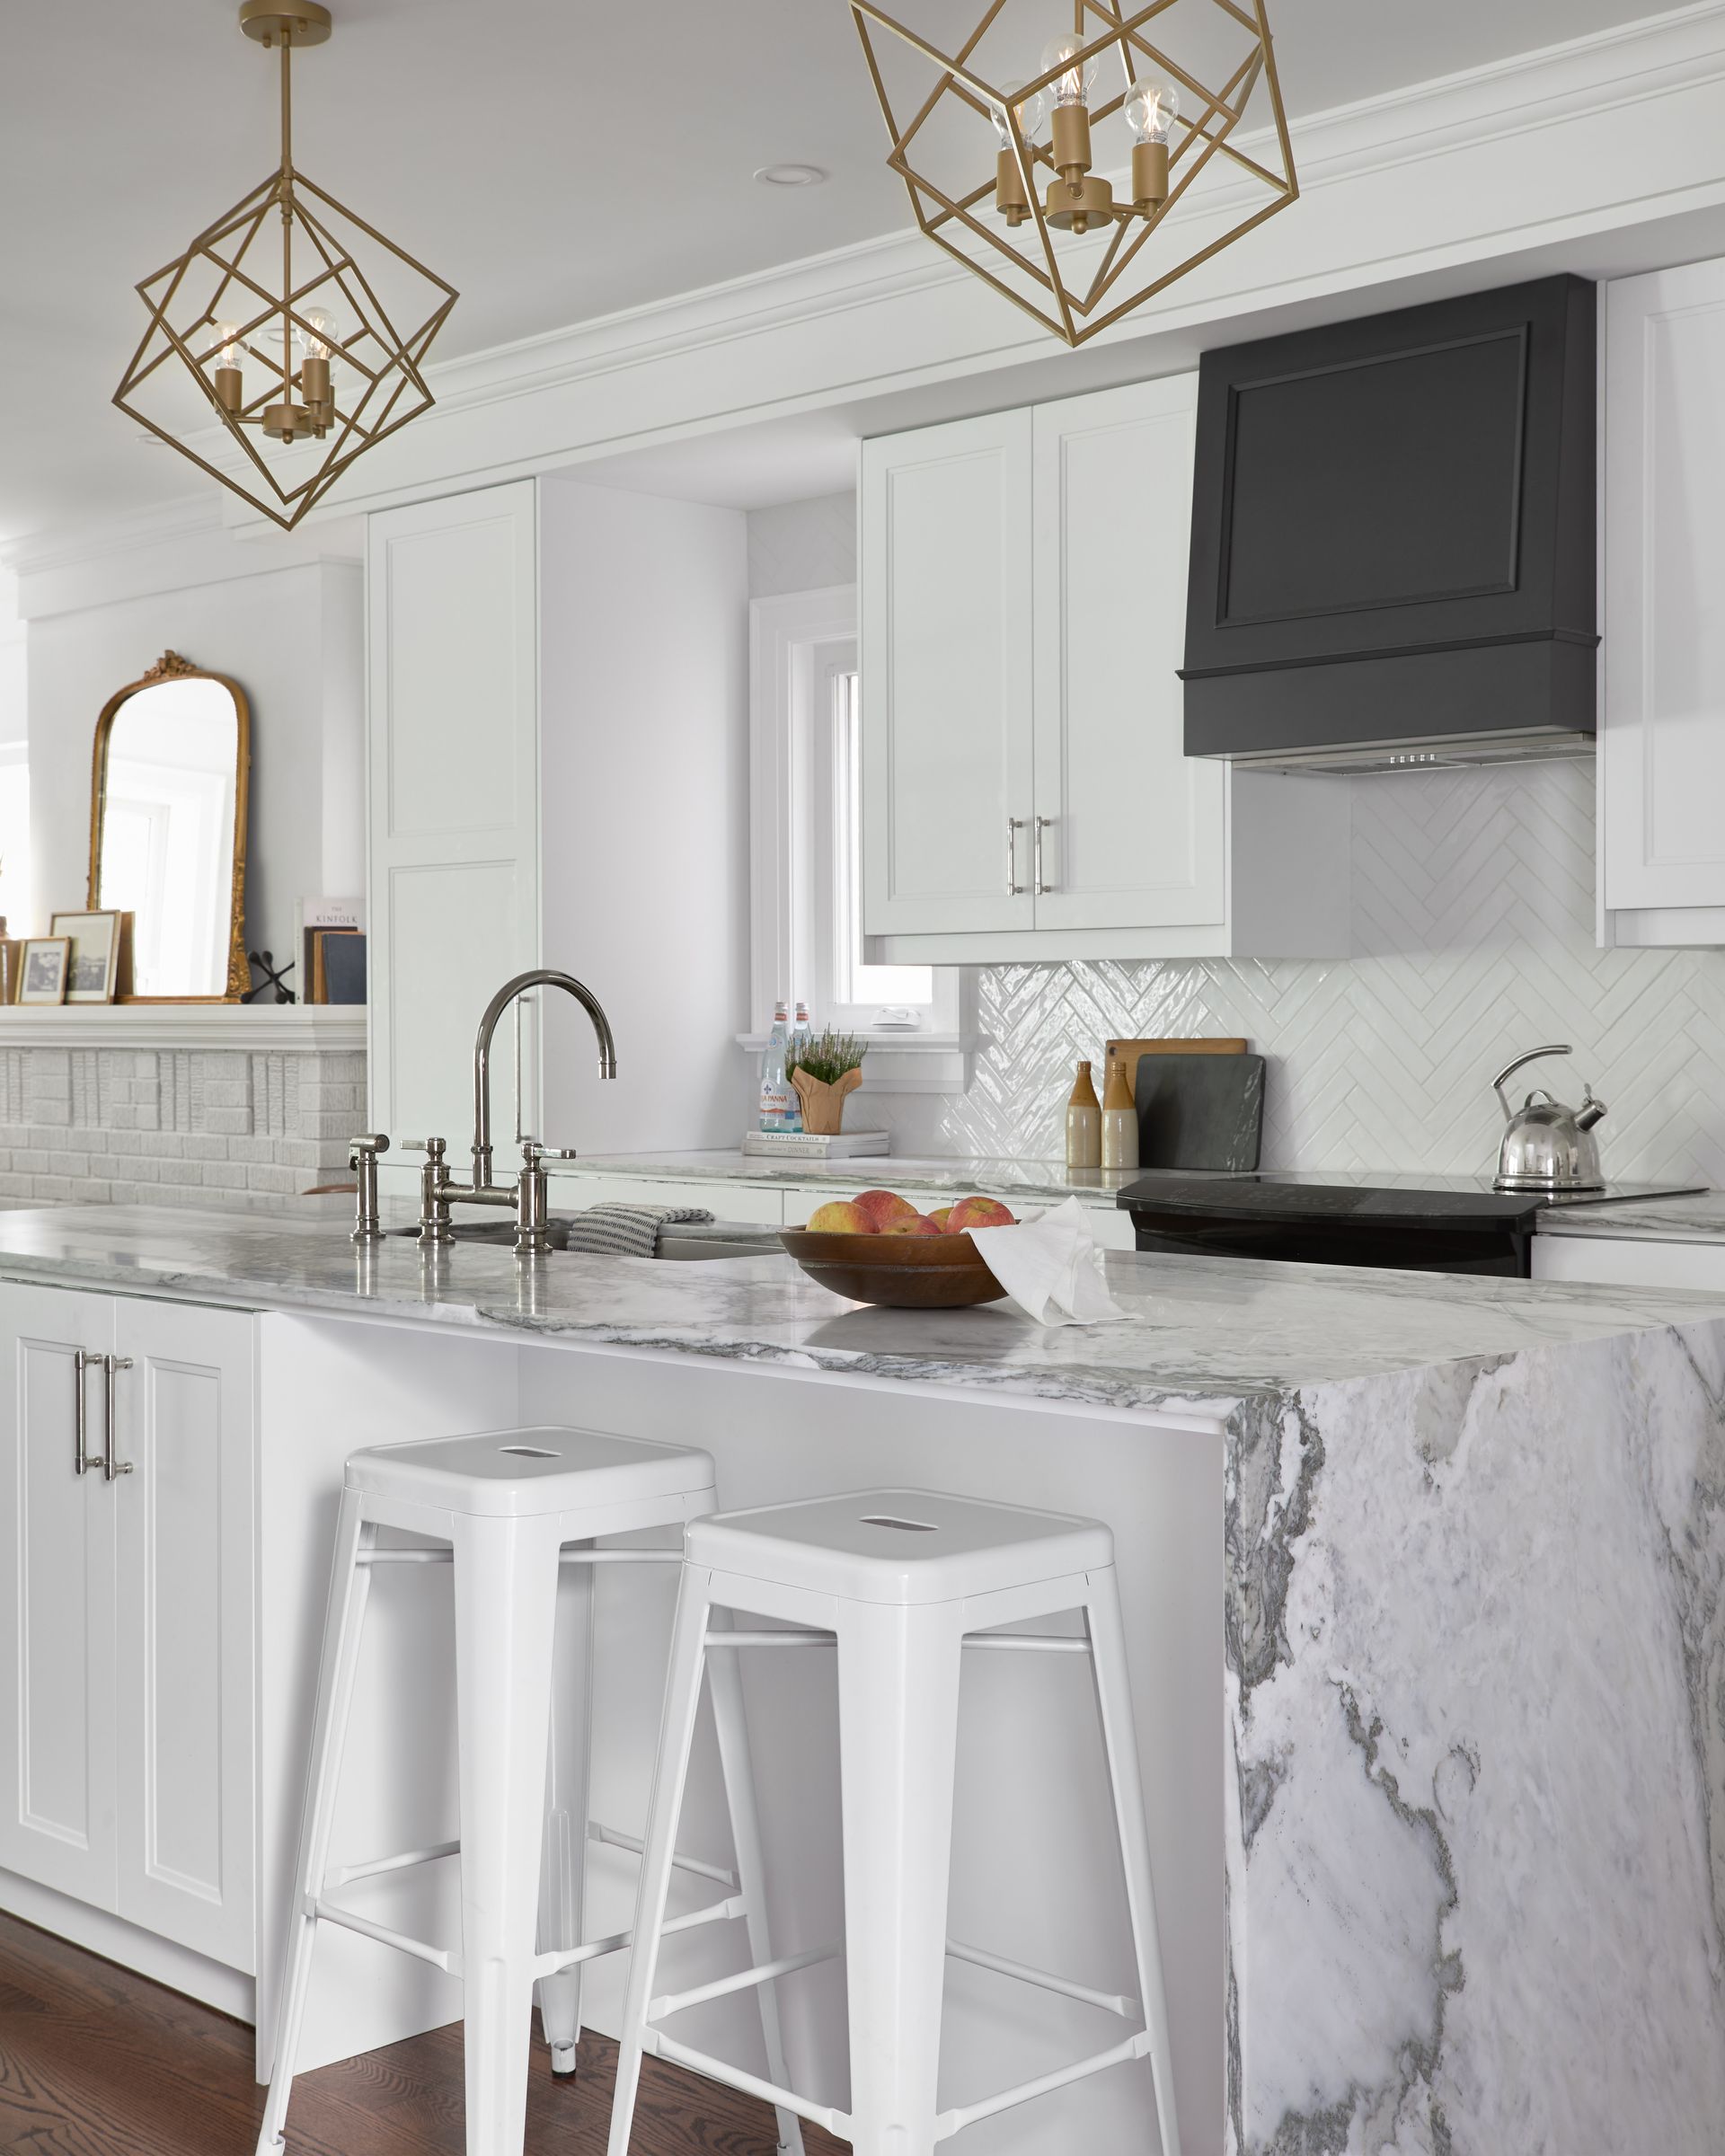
pixel 1129 827
pixel 1662 728
pixel 946 659
pixel 1026 793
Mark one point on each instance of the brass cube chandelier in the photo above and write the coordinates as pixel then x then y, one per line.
pixel 283 326
pixel 1038 222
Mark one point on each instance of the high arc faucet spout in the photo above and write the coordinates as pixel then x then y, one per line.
pixel 539 978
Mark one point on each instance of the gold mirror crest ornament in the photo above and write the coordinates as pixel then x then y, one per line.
pixel 169 799
pixel 1022 205
pixel 280 322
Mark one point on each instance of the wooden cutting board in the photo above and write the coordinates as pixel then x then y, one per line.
pixel 1127 1053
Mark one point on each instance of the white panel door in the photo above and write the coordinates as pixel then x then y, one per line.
pixel 184 1418
pixel 1662 731
pixel 946 678
pixel 451 648
pixel 57 1597
pixel 1133 831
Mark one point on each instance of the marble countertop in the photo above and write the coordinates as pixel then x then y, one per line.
pixel 1200 1328
pixel 1698 1218
pixel 1045 1180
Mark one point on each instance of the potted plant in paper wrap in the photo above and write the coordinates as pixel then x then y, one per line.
pixel 828 1066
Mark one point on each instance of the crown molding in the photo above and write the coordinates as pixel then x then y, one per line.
pixel 1529 163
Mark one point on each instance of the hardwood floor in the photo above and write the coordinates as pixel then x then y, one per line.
pixel 95 2060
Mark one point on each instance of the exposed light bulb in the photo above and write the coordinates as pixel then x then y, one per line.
pixel 1027 111
pixel 1150 109
pixel 1009 199
pixel 229 395
pixel 320 333
pixel 314 367
pixel 1075 87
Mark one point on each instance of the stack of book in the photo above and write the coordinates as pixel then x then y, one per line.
pixel 811 1146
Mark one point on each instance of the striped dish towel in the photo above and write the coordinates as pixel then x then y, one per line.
pixel 626 1230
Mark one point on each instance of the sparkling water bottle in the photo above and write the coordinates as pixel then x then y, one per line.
pixel 777 1099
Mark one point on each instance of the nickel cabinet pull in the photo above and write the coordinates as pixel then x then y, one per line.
pixel 1043 889
pixel 1014 825
pixel 112 1469
pixel 83 1459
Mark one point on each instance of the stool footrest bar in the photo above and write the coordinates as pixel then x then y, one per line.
pixel 1031 1643
pixel 776 1638
pixel 440 1957
pixel 1112 2002
pixel 715 1913
pixel 613 1837
pixel 445 1556
pixel 674 2002
pixel 955 2122
pixel 733 2077
pixel 581 1556
pixel 342 1875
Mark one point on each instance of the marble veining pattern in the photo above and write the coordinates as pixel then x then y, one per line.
pixel 1697 1218
pixel 1473 1692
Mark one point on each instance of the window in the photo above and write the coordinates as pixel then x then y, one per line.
pixel 806 827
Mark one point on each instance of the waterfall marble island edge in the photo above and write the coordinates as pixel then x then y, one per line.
pixel 1425 1578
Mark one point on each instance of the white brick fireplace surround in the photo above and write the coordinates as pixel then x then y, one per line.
pixel 193 1104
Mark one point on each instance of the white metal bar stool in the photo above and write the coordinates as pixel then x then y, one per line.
pixel 503 1508
pixel 901 1581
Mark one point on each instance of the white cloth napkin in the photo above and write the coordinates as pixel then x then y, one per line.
pixel 1050 1266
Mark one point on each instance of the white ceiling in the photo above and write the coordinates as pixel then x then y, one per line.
pixel 554 161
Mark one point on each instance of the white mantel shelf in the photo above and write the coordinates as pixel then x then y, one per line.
pixel 300 1027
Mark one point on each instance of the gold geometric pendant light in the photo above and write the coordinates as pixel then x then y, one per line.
pixel 1029 211
pixel 283 326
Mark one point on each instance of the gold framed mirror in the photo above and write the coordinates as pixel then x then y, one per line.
pixel 168 803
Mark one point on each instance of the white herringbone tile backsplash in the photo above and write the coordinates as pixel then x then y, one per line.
pixel 1474 939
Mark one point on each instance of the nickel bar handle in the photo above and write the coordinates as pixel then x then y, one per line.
pixel 1043 889
pixel 112 1468
pixel 1014 825
pixel 83 1460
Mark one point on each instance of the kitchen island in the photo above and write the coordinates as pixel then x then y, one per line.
pixel 1424 1577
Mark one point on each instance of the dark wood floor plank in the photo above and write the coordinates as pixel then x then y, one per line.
pixel 96 2061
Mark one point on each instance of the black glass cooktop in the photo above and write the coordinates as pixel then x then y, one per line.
pixel 1388 1196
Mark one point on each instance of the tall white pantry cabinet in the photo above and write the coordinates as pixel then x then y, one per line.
pixel 1026 793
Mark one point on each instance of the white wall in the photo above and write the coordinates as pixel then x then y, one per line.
pixel 290 635
pixel 643 645
pixel 802 545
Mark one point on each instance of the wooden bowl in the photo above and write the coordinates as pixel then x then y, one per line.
pixel 905 1272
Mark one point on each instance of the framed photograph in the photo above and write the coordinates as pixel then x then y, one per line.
pixel 47 961
pixel 93 975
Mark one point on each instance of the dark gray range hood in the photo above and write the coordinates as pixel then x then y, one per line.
pixel 1392 558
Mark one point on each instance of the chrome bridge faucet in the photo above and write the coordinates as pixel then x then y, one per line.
pixel 529 1195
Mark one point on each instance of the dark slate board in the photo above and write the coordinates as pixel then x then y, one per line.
pixel 1200 1111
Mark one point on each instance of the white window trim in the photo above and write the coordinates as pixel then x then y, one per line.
pixel 785 635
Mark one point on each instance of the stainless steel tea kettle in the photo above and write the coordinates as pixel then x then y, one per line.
pixel 1547 1146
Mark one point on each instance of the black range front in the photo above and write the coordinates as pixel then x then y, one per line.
pixel 1409 1224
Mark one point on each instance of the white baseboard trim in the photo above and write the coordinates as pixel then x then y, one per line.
pixel 228 1990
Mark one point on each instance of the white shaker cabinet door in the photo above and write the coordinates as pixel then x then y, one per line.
pixel 56 1596
pixel 183 1418
pixel 452 654
pixel 1662 730
pixel 946 657
pixel 1131 831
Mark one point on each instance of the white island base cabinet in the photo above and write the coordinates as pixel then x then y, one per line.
pixel 126 1676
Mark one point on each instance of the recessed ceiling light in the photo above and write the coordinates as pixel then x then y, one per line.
pixel 790 175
